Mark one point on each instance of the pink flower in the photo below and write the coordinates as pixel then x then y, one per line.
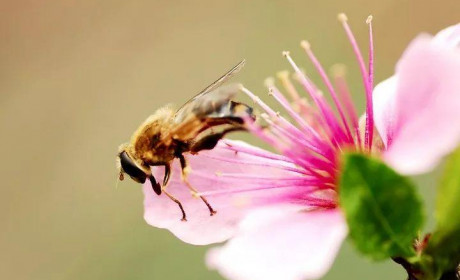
pixel 280 211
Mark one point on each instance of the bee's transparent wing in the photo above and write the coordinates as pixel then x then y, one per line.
pixel 211 97
pixel 209 104
pixel 222 79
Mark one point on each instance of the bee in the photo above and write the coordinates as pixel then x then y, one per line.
pixel 197 125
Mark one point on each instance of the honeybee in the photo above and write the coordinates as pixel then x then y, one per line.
pixel 167 134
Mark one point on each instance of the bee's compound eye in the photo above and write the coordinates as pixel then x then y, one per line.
pixel 128 166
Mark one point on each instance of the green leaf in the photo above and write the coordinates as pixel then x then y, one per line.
pixel 383 210
pixel 444 245
pixel 448 198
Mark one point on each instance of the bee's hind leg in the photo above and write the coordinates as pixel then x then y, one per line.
pixel 185 170
pixel 184 217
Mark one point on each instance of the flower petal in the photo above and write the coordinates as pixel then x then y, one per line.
pixel 212 171
pixel 417 111
pixel 449 36
pixel 281 243
pixel 384 108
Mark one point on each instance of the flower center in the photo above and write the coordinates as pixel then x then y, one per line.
pixel 322 131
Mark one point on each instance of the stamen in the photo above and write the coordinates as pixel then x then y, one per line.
pixel 365 76
pixel 299 78
pixel 255 152
pixel 284 135
pixel 306 46
pixel 302 77
pixel 316 144
pixel 301 104
pixel 281 134
pixel 267 135
pixel 287 84
pixel 269 82
pixel 371 52
pixel 326 111
pixel 325 171
pixel 338 72
pixel 259 102
pixel 270 112
pixel 275 141
pixel 280 98
pixel 298 140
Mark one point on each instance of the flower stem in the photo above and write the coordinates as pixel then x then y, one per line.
pixel 451 275
pixel 417 271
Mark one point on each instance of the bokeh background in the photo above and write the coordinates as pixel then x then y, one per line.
pixel 76 79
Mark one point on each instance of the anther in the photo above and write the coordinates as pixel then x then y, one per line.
pixel 369 19
pixel 269 82
pixel 296 76
pixel 282 75
pixel 305 45
pixel 265 116
pixel 342 17
pixel 338 70
pixel 285 53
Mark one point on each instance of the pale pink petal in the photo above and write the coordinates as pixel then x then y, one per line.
pixel 417 111
pixel 384 108
pixel 209 174
pixel 449 36
pixel 281 243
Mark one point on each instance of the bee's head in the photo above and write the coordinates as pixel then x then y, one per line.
pixel 127 164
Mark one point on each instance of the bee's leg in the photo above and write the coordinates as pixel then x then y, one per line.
pixel 158 189
pixel 209 142
pixel 185 170
pixel 155 186
pixel 167 174
pixel 184 217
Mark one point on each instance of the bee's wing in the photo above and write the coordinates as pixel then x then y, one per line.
pixel 222 79
pixel 211 95
pixel 209 104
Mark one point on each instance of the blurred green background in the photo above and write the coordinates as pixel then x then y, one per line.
pixel 76 79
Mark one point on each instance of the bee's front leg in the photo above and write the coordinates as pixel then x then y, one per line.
pixel 185 171
pixel 159 189
pixel 155 186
